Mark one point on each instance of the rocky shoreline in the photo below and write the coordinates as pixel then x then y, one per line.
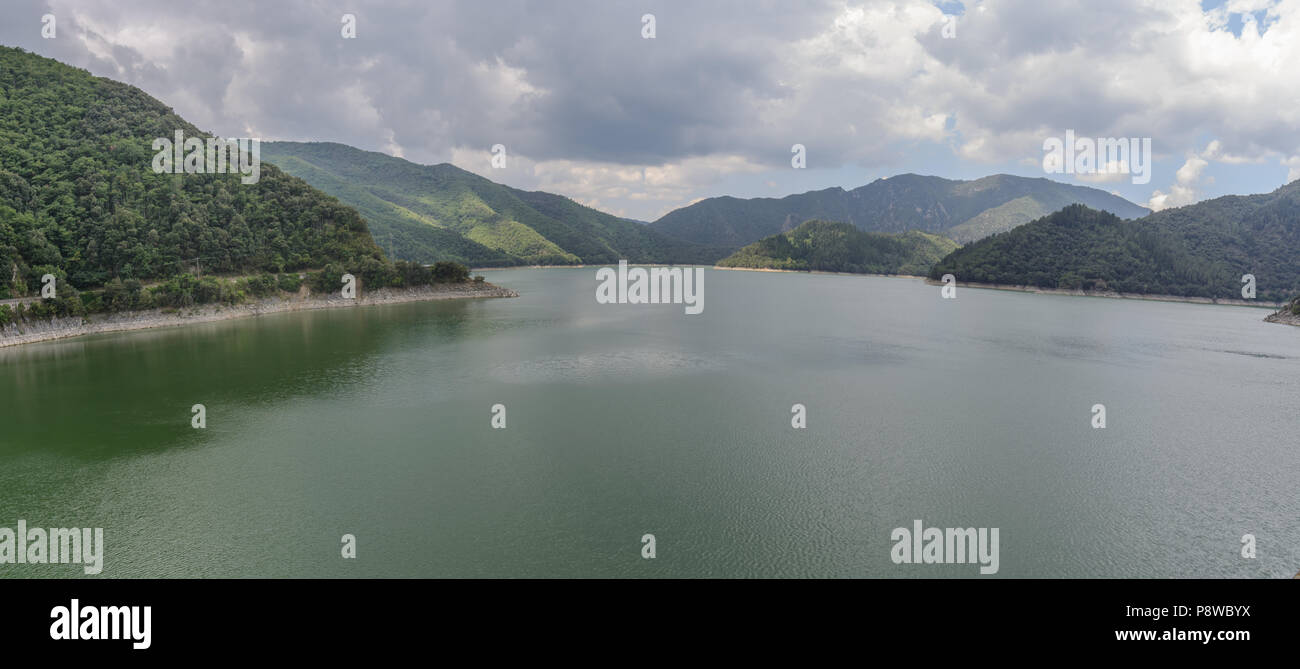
pixel 60 328
pixel 1287 316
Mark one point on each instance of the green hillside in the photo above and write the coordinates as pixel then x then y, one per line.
pixel 840 247
pixel 1201 250
pixel 79 198
pixel 441 212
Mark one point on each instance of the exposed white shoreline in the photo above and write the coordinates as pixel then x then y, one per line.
pixel 1279 317
pixel 61 328
pixel 1258 304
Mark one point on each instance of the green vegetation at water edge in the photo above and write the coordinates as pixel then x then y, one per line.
pixel 186 290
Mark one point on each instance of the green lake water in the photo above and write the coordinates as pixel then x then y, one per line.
pixel 624 420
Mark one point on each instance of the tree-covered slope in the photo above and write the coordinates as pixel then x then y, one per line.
pixel 1242 234
pixel 963 210
pixel 79 198
pixel 401 232
pixel 841 247
pixel 440 212
pixel 1201 250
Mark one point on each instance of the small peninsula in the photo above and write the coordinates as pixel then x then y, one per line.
pixel 823 246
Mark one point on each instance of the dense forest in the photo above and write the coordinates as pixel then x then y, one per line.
pixel 840 247
pixel 960 210
pixel 79 200
pixel 1201 250
pixel 441 212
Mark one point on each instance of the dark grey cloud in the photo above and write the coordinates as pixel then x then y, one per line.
pixel 440 75
pixel 590 108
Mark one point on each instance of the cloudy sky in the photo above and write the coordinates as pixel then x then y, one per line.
pixel 586 106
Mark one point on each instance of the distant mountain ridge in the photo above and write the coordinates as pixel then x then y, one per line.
pixel 962 210
pixel 427 213
pixel 441 212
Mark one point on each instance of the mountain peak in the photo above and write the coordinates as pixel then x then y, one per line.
pixel 965 210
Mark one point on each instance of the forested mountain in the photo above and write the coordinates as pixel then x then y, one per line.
pixel 79 198
pixel 441 212
pixel 1201 250
pixel 840 247
pixel 962 210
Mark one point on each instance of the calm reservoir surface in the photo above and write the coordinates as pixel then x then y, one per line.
pixel 624 420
